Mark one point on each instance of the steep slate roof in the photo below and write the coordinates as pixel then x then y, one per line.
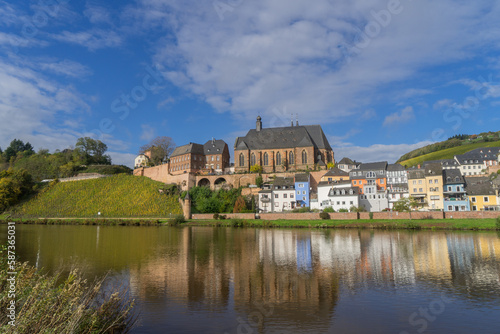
pixel 189 148
pixel 333 183
pixel 416 174
pixel 395 167
pixel 338 191
pixel 452 176
pixel 336 172
pixel 214 146
pixel 284 181
pixel 302 177
pixel 443 162
pixel 346 161
pixel 382 165
pixel 433 169
pixel 283 137
pixel 479 154
pixel 479 186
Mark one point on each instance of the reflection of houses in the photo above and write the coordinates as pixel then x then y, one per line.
pixel 281 149
pixel 455 197
pixel 431 257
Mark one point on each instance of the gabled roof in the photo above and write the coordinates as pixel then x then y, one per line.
pixel 479 155
pixel 416 174
pixel 452 176
pixel 192 148
pixel 334 183
pixel 336 172
pixel 479 186
pixel 302 177
pixel 346 161
pixel 283 137
pixel 348 191
pixel 382 165
pixel 284 181
pixel 395 167
pixel 433 169
pixel 214 146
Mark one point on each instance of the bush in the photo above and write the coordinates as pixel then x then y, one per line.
pixel 259 181
pixel 324 215
pixel 371 215
pixel 329 209
pixel 177 220
pixel 216 216
pixel 301 210
pixel 343 210
pixel 237 223
pixel 498 223
pixel 222 217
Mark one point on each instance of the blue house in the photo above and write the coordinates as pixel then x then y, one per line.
pixel 455 196
pixel 302 186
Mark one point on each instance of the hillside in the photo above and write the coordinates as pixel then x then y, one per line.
pixel 116 196
pixel 448 153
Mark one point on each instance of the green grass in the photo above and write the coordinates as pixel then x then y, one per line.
pixel 116 196
pixel 448 153
pixel 427 224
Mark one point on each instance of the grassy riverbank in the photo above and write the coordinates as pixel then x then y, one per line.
pixel 419 224
pixel 43 305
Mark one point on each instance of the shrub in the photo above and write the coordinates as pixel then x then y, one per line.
pixel 237 223
pixel 222 217
pixel 343 210
pixel 324 215
pixel 370 215
pixel 498 223
pixel 177 220
pixel 216 215
pixel 329 209
pixel 302 210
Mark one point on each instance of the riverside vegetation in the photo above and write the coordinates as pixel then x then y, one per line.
pixel 45 305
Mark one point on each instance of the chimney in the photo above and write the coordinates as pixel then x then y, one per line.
pixel 213 140
pixel 291 117
pixel 418 166
pixel 297 119
pixel 259 124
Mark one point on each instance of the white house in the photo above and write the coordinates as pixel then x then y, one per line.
pixel 337 195
pixel 279 196
pixel 141 160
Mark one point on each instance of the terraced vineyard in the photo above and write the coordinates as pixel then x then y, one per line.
pixel 448 153
pixel 116 196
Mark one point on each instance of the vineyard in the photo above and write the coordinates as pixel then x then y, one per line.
pixel 116 196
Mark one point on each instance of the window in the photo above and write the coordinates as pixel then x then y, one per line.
pixel 486 199
pixel 474 208
pixel 298 192
pixel 278 158
pixel 351 202
pixel 275 195
pixel 449 188
pixel 285 196
pixel 291 195
pixel 450 208
pixel 303 192
pixel 291 158
pixel 212 158
pixel 303 198
pixel 301 185
pixel 420 190
pixel 419 181
pixel 266 159
pixel 430 181
pixel 354 182
pixel 276 204
pixel 458 188
pixel 218 157
pixel 217 166
pixel 304 157
pixel 370 174
pixel 343 202
pixel 252 159
pixel 242 160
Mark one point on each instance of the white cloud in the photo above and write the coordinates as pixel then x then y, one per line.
pixel 148 132
pixel 126 159
pixel 97 14
pixel 444 103
pixel 64 67
pixel 92 39
pixel 405 116
pixel 266 54
pixel 377 152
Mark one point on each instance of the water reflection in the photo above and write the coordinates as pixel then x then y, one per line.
pixel 263 280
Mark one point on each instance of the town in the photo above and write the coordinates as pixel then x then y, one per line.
pixel 297 169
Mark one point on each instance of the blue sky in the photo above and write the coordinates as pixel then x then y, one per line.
pixel 381 77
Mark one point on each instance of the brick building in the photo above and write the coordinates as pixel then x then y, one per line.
pixel 282 149
pixel 213 156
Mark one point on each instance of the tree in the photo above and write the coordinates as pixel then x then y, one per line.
pixel 17 146
pixel 256 169
pixel 159 148
pixel 92 151
pixel 13 185
pixel 259 181
pixel 405 205
pixel 240 205
pixel 330 165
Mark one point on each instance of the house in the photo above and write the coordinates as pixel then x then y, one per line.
pixel 455 196
pixel 417 187
pixel 302 188
pixel 397 183
pixel 371 179
pixel 347 165
pixel 141 161
pixel 278 196
pixel 434 180
pixel 477 161
pixel 211 157
pixel 335 174
pixel 481 193
pixel 283 149
pixel 337 195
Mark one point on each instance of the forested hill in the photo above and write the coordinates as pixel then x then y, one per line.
pixel 465 141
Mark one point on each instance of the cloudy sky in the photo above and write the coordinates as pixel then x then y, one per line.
pixel 381 77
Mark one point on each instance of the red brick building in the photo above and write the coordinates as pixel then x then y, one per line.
pixel 213 156
pixel 282 149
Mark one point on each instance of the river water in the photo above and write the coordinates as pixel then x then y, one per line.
pixel 235 280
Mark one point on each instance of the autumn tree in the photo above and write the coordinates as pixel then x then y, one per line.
pixel 240 205
pixel 92 151
pixel 159 148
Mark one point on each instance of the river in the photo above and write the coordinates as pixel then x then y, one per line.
pixel 244 280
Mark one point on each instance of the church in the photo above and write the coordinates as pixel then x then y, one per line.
pixel 282 149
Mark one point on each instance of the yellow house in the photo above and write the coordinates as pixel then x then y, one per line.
pixel 481 193
pixel 434 180
pixel 417 187
pixel 335 175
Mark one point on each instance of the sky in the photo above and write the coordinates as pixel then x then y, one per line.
pixel 381 77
